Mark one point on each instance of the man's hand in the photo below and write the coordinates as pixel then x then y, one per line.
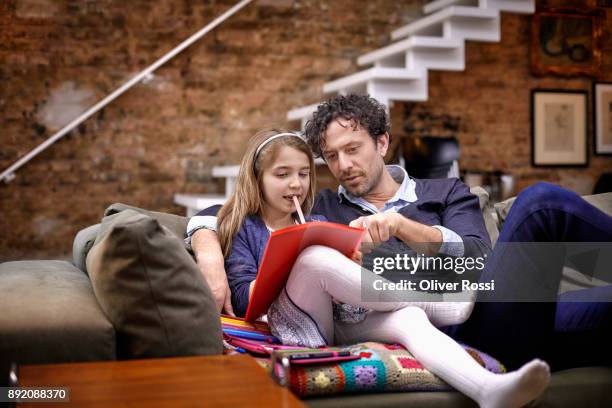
pixel 205 245
pixel 380 227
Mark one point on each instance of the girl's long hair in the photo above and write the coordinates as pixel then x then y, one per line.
pixel 247 198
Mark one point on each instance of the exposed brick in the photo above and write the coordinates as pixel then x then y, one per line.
pixel 164 136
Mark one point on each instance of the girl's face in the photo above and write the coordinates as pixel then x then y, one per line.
pixel 287 176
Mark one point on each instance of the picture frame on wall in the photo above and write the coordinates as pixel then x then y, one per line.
pixel 558 128
pixel 566 42
pixel 602 118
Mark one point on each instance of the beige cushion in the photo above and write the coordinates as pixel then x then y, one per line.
pixel 502 209
pixel 487 215
pixel 151 290
pixel 601 201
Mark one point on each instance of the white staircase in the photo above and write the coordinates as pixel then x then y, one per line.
pixel 436 42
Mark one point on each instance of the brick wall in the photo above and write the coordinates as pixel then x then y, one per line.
pixel 58 57
pixel 487 107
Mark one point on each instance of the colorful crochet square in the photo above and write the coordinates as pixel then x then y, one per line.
pixel 381 368
pixel 364 376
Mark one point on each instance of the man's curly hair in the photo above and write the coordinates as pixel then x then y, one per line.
pixel 362 110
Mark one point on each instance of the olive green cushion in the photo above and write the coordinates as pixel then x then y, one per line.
pixel 50 315
pixel 174 223
pixel 151 289
pixel 84 239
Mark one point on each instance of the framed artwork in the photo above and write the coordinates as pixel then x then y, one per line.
pixel 558 128
pixel 566 42
pixel 602 117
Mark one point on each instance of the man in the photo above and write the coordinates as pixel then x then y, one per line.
pixel 440 217
pixel 441 213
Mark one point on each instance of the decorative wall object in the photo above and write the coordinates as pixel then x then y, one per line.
pixel 566 42
pixel 558 128
pixel 602 118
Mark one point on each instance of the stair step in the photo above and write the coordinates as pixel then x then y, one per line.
pixel 433 24
pixel 434 6
pixel 383 84
pixel 512 6
pixel 436 41
pixel 302 112
pixel 387 91
pixel 196 202
pixel 360 79
pixel 397 51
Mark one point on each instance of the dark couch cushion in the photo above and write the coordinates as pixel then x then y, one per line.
pixel 578 387
pixel 50 315
pixel 151 289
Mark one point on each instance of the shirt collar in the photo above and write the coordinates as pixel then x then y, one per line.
pixel 405 193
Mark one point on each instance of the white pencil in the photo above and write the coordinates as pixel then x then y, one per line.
pixel 299 210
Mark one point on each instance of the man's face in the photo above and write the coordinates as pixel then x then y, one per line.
pixel 353 157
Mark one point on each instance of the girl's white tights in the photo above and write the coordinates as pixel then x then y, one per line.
pixel 321 274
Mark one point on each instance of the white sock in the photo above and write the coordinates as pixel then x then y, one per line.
pixel 516 388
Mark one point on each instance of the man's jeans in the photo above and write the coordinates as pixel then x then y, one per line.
pixel 567 333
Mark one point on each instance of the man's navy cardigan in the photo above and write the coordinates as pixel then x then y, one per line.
pixel 447 202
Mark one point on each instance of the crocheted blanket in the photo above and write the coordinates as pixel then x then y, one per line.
pixel 381 367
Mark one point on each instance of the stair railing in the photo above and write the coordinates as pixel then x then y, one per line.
pixel 9 174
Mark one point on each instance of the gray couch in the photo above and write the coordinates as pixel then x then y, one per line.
pixel 132 291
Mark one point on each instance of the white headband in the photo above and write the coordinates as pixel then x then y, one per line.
pixel 265 142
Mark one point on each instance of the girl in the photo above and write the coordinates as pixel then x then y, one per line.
pixel 322 303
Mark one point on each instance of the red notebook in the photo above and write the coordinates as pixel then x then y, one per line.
pixel 282 250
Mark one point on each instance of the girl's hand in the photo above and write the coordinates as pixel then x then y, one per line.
pixel 366 243
pixel 357 257
pixel 251 286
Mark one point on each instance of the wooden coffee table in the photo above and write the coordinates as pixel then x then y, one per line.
pixel 214 381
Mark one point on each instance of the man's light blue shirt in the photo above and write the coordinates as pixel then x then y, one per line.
pixel 405 195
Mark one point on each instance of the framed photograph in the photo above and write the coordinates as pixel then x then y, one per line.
pixel 602 117
pixel 566 42
pixel 558 128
